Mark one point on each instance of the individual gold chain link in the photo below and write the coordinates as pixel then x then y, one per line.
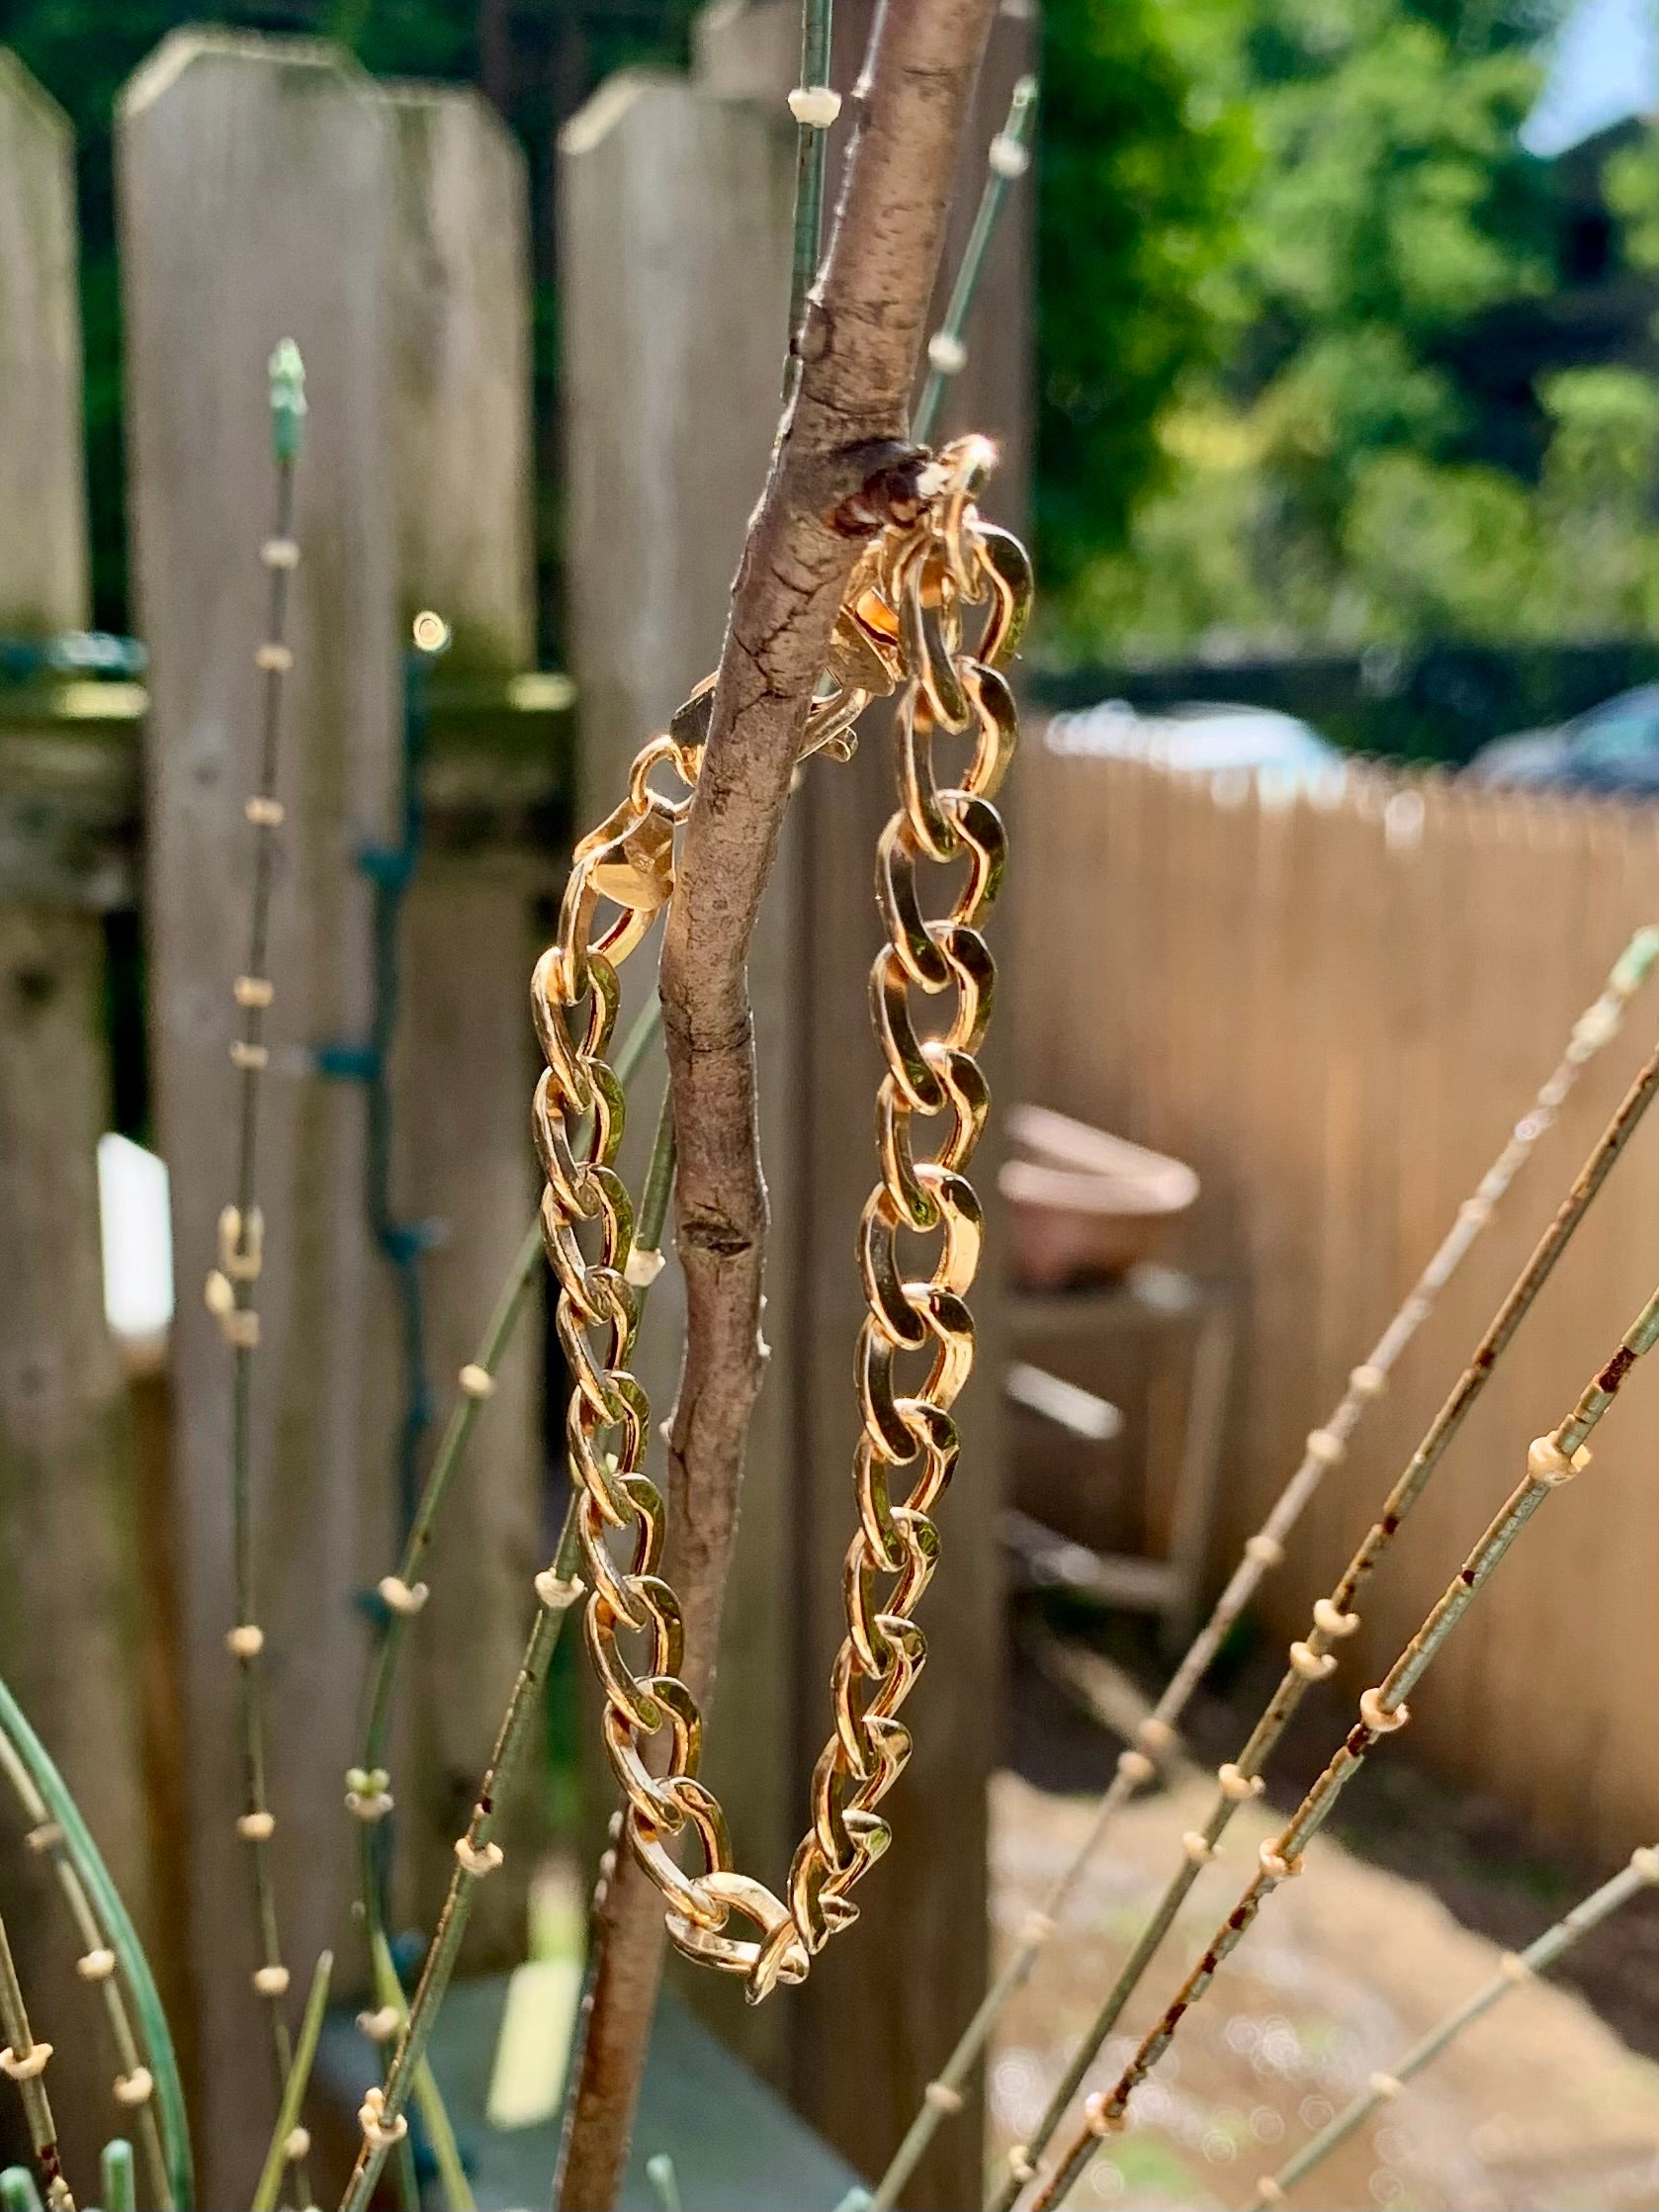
pixel 899 629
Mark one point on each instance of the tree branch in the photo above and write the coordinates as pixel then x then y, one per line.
pixel 840 461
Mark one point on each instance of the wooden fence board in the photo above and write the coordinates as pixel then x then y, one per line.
pixel 461 427
pixel 235 159
pixel 1408 973
pixel 70 1563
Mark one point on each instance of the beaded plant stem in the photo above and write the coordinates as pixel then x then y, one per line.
pixel 814 106
pixel 1518 1967
pixel 1597 1026
pixel 134 2083
pixel 477 1854
pixel 282 2146
pixel 402 1594
pixel 1551 1462
pixel 118 1932
pixel 241 1227
pixel 393 2010
pixel 1008 157
pixel 25 2060
pixel 1312 1659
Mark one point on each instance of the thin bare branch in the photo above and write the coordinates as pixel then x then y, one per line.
pixel 840 462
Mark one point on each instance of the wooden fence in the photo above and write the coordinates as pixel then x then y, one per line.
pixel 267 188
pixel 1335 1002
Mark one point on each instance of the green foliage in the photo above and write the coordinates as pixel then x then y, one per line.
pixel 1137 171
pixel 1354 472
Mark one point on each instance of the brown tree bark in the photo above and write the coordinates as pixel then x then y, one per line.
pixel 841 460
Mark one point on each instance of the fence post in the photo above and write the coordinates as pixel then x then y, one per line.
pixel 69 1570
pixel 675 292
pixel 254 192
pixel 460 430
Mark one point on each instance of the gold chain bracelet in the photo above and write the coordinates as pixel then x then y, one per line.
pixel 899 629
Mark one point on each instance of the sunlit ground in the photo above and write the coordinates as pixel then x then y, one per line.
pixel 1539 2106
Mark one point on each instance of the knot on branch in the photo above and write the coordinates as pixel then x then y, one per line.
pixel 872 483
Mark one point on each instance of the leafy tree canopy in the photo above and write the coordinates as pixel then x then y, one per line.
pixel 1414 427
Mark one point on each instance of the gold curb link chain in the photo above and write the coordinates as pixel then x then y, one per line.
pixel 899 629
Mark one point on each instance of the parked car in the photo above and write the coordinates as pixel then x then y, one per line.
pixel 1613 747
pixel 1199 737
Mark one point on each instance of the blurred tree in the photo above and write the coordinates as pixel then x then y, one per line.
pixel 1418 427
pixel 1141 159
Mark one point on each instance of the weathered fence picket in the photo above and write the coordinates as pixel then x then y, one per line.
pixel 462 490
pixel 255 203
pixel 70 1550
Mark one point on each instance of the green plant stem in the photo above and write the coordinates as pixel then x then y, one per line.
pixel 558 1591
pixel 811 156
pixel 1381 1712
pixel 1015 134
pixel 439 1964
pixel 393 1628
pixel 1397 1507
pixel 32 2089
pixel 446 2152
pixel 120 1936
pixel 1519 1967
pixel 498 1332
pixel 50 1838
pixel 1594 1029
pixel 115 2166
pixel 660 1183
pixel 18 2192
pixel 241 1325
pixel 294 2089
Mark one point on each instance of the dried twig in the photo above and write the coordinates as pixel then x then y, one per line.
pixel 1311 1660
pixel 841 460
pixel 1516 1969
pixel 1553 1462
pixel 1596 1027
